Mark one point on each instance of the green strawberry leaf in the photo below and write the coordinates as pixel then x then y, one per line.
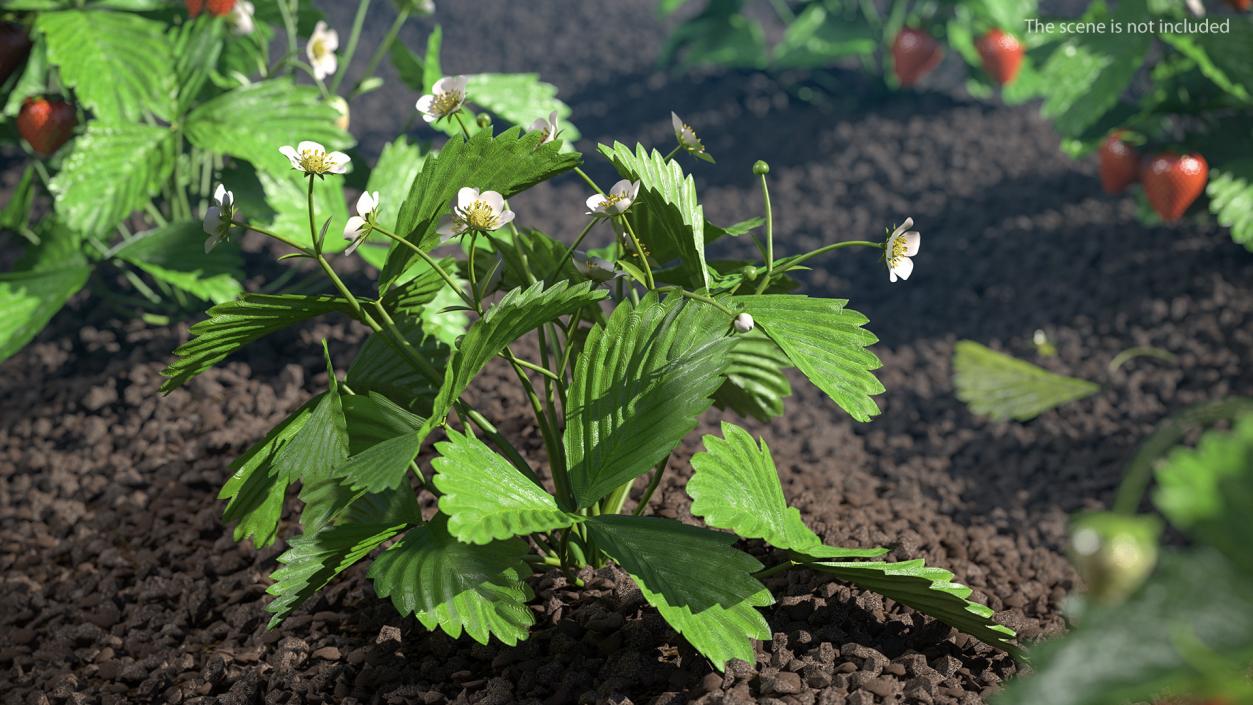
pixel 701 585
pixel 1002 387
pixel 826 342
pixel 486 498
pixel 457 587
pixel 639 386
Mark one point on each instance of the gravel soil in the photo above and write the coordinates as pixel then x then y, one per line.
pixel 119 583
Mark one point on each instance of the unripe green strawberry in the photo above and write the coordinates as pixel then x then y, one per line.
pixel 1113 553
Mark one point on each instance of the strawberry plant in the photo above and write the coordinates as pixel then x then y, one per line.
pixel 131 111
pixel 617 350
pixel 1161 624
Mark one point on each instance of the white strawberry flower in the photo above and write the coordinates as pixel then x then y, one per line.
pixel 744 323
pixel 219 217
pixel 620 198
pixel 547 127
pixel 321 50
pixel 899 247
pixel 688 141
pixel 424 8
pixel 446 97
pixel 360 224
pixel 240 18
pixel 312 158
pixel 483 211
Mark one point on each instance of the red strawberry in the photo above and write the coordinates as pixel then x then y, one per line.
pixel 14 48
pixel 1172 182
pixel 1241 5
pixel 217 8
pixel 914 54
pixel 46 124
pixel 1118 164
pixel 1001 54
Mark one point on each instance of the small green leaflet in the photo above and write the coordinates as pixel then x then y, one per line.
pixel 517 313
pixel 508 163
pixel 701 585
pixel 639 386
pixel 234 324
pixel 825 341
pixel 486 498
pixel 174 254
pixel 1230 191
pixel 929 590
pixel 1002 387
pixel 120 65
pixel 251 122
pixel 29 299
pixel 1086 76
pixel 667 216
pixel 457 586
pixel 735 486
pixel 113 170
pixel 1207 491
pixel 817 38
pixel 254 494
pixel 320 446
pixel 382 440
pixel 312 560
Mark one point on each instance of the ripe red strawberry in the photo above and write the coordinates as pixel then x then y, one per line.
pixel 914 54
pixel 1118 164
pixel 1241 5
pixel 1001 54
pixel 1172 182
pixel 46 124
pixel 14 48
pixel 217 8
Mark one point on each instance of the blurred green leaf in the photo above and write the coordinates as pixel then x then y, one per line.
pixel 175 254
pixel 112 171
pixel 1002 387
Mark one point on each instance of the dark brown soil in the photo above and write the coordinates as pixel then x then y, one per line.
pixel 121 585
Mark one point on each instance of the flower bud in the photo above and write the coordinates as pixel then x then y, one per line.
pixel 749 273
pixel 341 107
pixel 484 120
pixel 761 168
pixel 1114 553
pixel 744 323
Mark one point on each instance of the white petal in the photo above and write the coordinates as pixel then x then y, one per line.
pixel 211 242
pixel 428 117
pixel 595 202
pixel 635 190
pixel 289 152
pixel 540 125
pixel 353 227
pixel 352 247
pixel 366 203
pixel 451 84
pixel 909 223
pixel 494 200
pixel 505 218
pixel 338 161
pixel 903 268
pixel 212 221
pixel 677 122
pixel 310 146
pixel 466 196
pixel 424 103
pixel 621 188
pixel 220 193
pixel 913 239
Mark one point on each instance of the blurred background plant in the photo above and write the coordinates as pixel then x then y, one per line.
pixel 121 163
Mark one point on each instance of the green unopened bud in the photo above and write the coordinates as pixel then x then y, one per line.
pixel 1114 553
pixel 761 168
pixel 749 273
pixel 484 120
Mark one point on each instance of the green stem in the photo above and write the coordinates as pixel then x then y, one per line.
pixel 774 570
pixel 363 6
pixel 431 262
pixel 639 251
pixel 270 234
pixel 289 26
pixel 377 58
pixel 653 483
pixel 464 130
pixel 588 179
pixel 570 251
pixel 673 152
pixel 1129 354
pixel 791 263
pixel 537 368
pixel 765 197
pixel 313 228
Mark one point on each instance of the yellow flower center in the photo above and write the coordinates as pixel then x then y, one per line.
pixel 318 48
pixel 611 200
pixel 479 216
pixel 445 102
pixel 895 251
pixel 313 161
